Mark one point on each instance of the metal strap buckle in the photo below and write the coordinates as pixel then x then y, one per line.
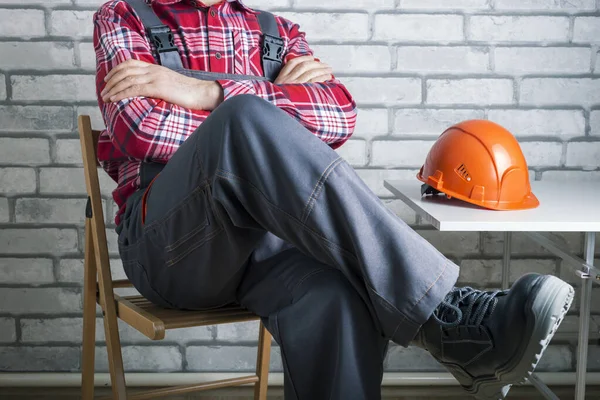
pixel 272 48
pixel 162 38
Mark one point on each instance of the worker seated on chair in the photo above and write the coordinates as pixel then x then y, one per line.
pixel 221 130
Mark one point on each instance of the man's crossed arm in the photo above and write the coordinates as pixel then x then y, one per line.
pixel 134 78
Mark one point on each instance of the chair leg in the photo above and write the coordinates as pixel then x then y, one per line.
pixel 89 319
pixel 262 363
pixel 115 359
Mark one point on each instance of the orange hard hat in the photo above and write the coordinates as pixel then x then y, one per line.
pixel 479 162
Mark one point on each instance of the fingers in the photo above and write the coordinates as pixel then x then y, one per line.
pixel 312 72
pixel 290 66
pixel 124 77
pixel 125 65
pixel 130 84
pixel 133 91
pixel 321 78
pixel 303 70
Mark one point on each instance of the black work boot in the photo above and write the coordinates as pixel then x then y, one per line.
pixel 492 340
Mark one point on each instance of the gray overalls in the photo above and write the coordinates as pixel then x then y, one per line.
pixel 255 209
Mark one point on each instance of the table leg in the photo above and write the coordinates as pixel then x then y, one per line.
pixel 506 260
pixel 584 319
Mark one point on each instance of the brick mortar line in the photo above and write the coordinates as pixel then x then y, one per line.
pixel 563 155
pixel 11 210
pixel 571 30
pixel 588 126
pixel 37 180
pixel 77 287
pixel 8 88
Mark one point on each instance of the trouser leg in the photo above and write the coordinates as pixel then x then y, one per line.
pixel 251 169
pixel 330 347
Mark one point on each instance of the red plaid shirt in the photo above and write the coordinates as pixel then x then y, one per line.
pixel 147 129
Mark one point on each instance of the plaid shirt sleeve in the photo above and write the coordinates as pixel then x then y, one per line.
pixel 138 128
pixel 326 109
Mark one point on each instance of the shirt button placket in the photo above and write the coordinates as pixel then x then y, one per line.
pixel 214 29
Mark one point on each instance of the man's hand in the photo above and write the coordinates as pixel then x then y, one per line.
pixel 133 78
pixel 303 70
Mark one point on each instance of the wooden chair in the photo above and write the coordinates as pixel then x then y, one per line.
pixel 150 320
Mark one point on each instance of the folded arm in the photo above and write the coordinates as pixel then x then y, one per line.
pixel 150 110
pixel 325 108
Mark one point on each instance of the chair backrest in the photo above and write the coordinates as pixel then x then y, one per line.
pixel 95 227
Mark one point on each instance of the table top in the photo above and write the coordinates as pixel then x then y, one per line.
pixel 564 207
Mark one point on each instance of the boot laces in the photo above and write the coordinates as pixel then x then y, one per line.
pixel 466 306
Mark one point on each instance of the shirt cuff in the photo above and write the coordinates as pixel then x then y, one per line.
pixel 233 88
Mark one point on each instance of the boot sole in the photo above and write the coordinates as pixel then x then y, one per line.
pixel 548 310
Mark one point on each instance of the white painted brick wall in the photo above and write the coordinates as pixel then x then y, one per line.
pixel 8 332
pixel 595 123
pixel 456 59
pixel 37 55
pixel 470 91
pixel 39 300
pixel 442 4
pixel 72 23
pixel 24 151
pixel 54 88
pixel 349 59
pixel 4 210
pixel 2 87
pixel 560 91
pixel 586 30
pixel 388 91
pixel 583 154
pixel 17 180
pixel 51 119
pixel 531 60
pixel 400 154
pixel 31 271
pixel 546 5
pixel 144 358
pixel 38 240
pixel 518 29
pixel 418 28
pixel 541 123
pixel 22 23
pixel 415 67
pixel 542 154
pixel 430 122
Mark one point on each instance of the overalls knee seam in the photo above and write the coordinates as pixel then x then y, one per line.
pixel 317 189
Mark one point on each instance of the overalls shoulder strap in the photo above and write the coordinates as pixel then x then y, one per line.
pixel 272 45
pixel 162 38
pixel 159 33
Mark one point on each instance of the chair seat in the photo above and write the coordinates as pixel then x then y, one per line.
pixel 152 320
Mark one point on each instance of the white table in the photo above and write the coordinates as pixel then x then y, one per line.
pixel 564 207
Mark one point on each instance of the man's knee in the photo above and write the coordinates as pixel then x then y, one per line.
pixel 246 105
